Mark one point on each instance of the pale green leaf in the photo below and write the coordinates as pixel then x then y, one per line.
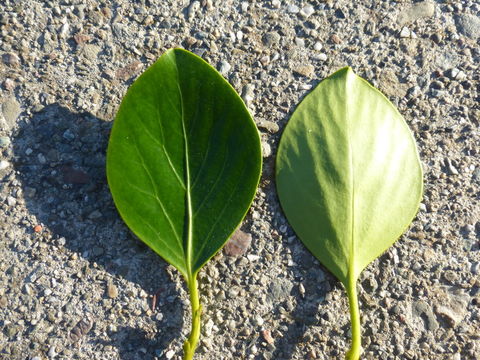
pixel 348 174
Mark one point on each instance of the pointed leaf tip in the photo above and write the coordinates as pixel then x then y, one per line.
pixel 348 173
pixel 183 160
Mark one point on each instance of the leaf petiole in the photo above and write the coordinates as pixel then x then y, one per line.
pixel 191 343
pixel 356 347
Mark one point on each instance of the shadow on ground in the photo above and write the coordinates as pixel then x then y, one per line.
pixel 60 160
pixel 307 313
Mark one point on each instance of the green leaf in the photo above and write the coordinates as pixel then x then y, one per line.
pixel 183 161
pixel 349 178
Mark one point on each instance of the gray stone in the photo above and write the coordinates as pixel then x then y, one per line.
pixel 468 25
pixel 247 94
pixel 64 31
pixel 10 110
pixel 271 38
pixel 192 10
pixel 4 141
pixel 258 320
pixel 90 51
pixel 475 269
pixel 300 42
pixel 293 9
pixel 4 164
pixel 476 175
pixel 307 11
pixel 225 68
pixel 266 149
pixel 11 59
pixel 279 290
pixel 11 201
pixel 452 305
pixel 270 126
pixel 421 310
pixel 95 215
pixel 9 84
pixel 304 70
pixel 424 9
pixel 52 352
pixel 407 33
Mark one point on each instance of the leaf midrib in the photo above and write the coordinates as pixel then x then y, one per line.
pixel 351 265
pixel 188 254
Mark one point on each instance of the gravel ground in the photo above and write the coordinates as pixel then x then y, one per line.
pixel 75 284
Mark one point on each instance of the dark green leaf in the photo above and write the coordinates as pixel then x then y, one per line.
pixel 184 160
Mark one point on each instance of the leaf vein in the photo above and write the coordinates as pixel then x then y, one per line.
pixel 156 194
pixel 214 184
pixel 219 216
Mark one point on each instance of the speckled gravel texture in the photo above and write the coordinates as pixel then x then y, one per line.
pixel 75 284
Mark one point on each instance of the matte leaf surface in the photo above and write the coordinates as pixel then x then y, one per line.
pixel 183 160
pixel 348 175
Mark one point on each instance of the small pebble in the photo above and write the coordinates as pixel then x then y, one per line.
pixel 268 125
pixel 252 258
pixel 271 38
pixel 407 33
pixel 267 336
pixel 52 352
pixel 224 67
pixel 11 59
pixel 41 159
pixel 8 84
pixel 247 94
pixel 192 10
pixel 4 141
pixel 170 354
pixel 307 11
pixel 4 164
pixel 300 42
pixel 238 243
pixel 335 39
pixel 258 320
pixel 266 149
pixel 476 268
pixel 11 201
pixel 293 9
pixel 301 289
pixel 112 291
pixel 304 70
pixel 64 30
pixel 322 57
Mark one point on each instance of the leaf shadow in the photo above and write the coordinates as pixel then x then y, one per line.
pixel 135 344
pixel 305 314
pixel 59 157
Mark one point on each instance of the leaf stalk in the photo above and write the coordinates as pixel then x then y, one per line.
pixel 191 343
pixel 356 347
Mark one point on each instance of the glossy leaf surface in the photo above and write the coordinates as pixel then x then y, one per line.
pixel 348 175
pixel 184 160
